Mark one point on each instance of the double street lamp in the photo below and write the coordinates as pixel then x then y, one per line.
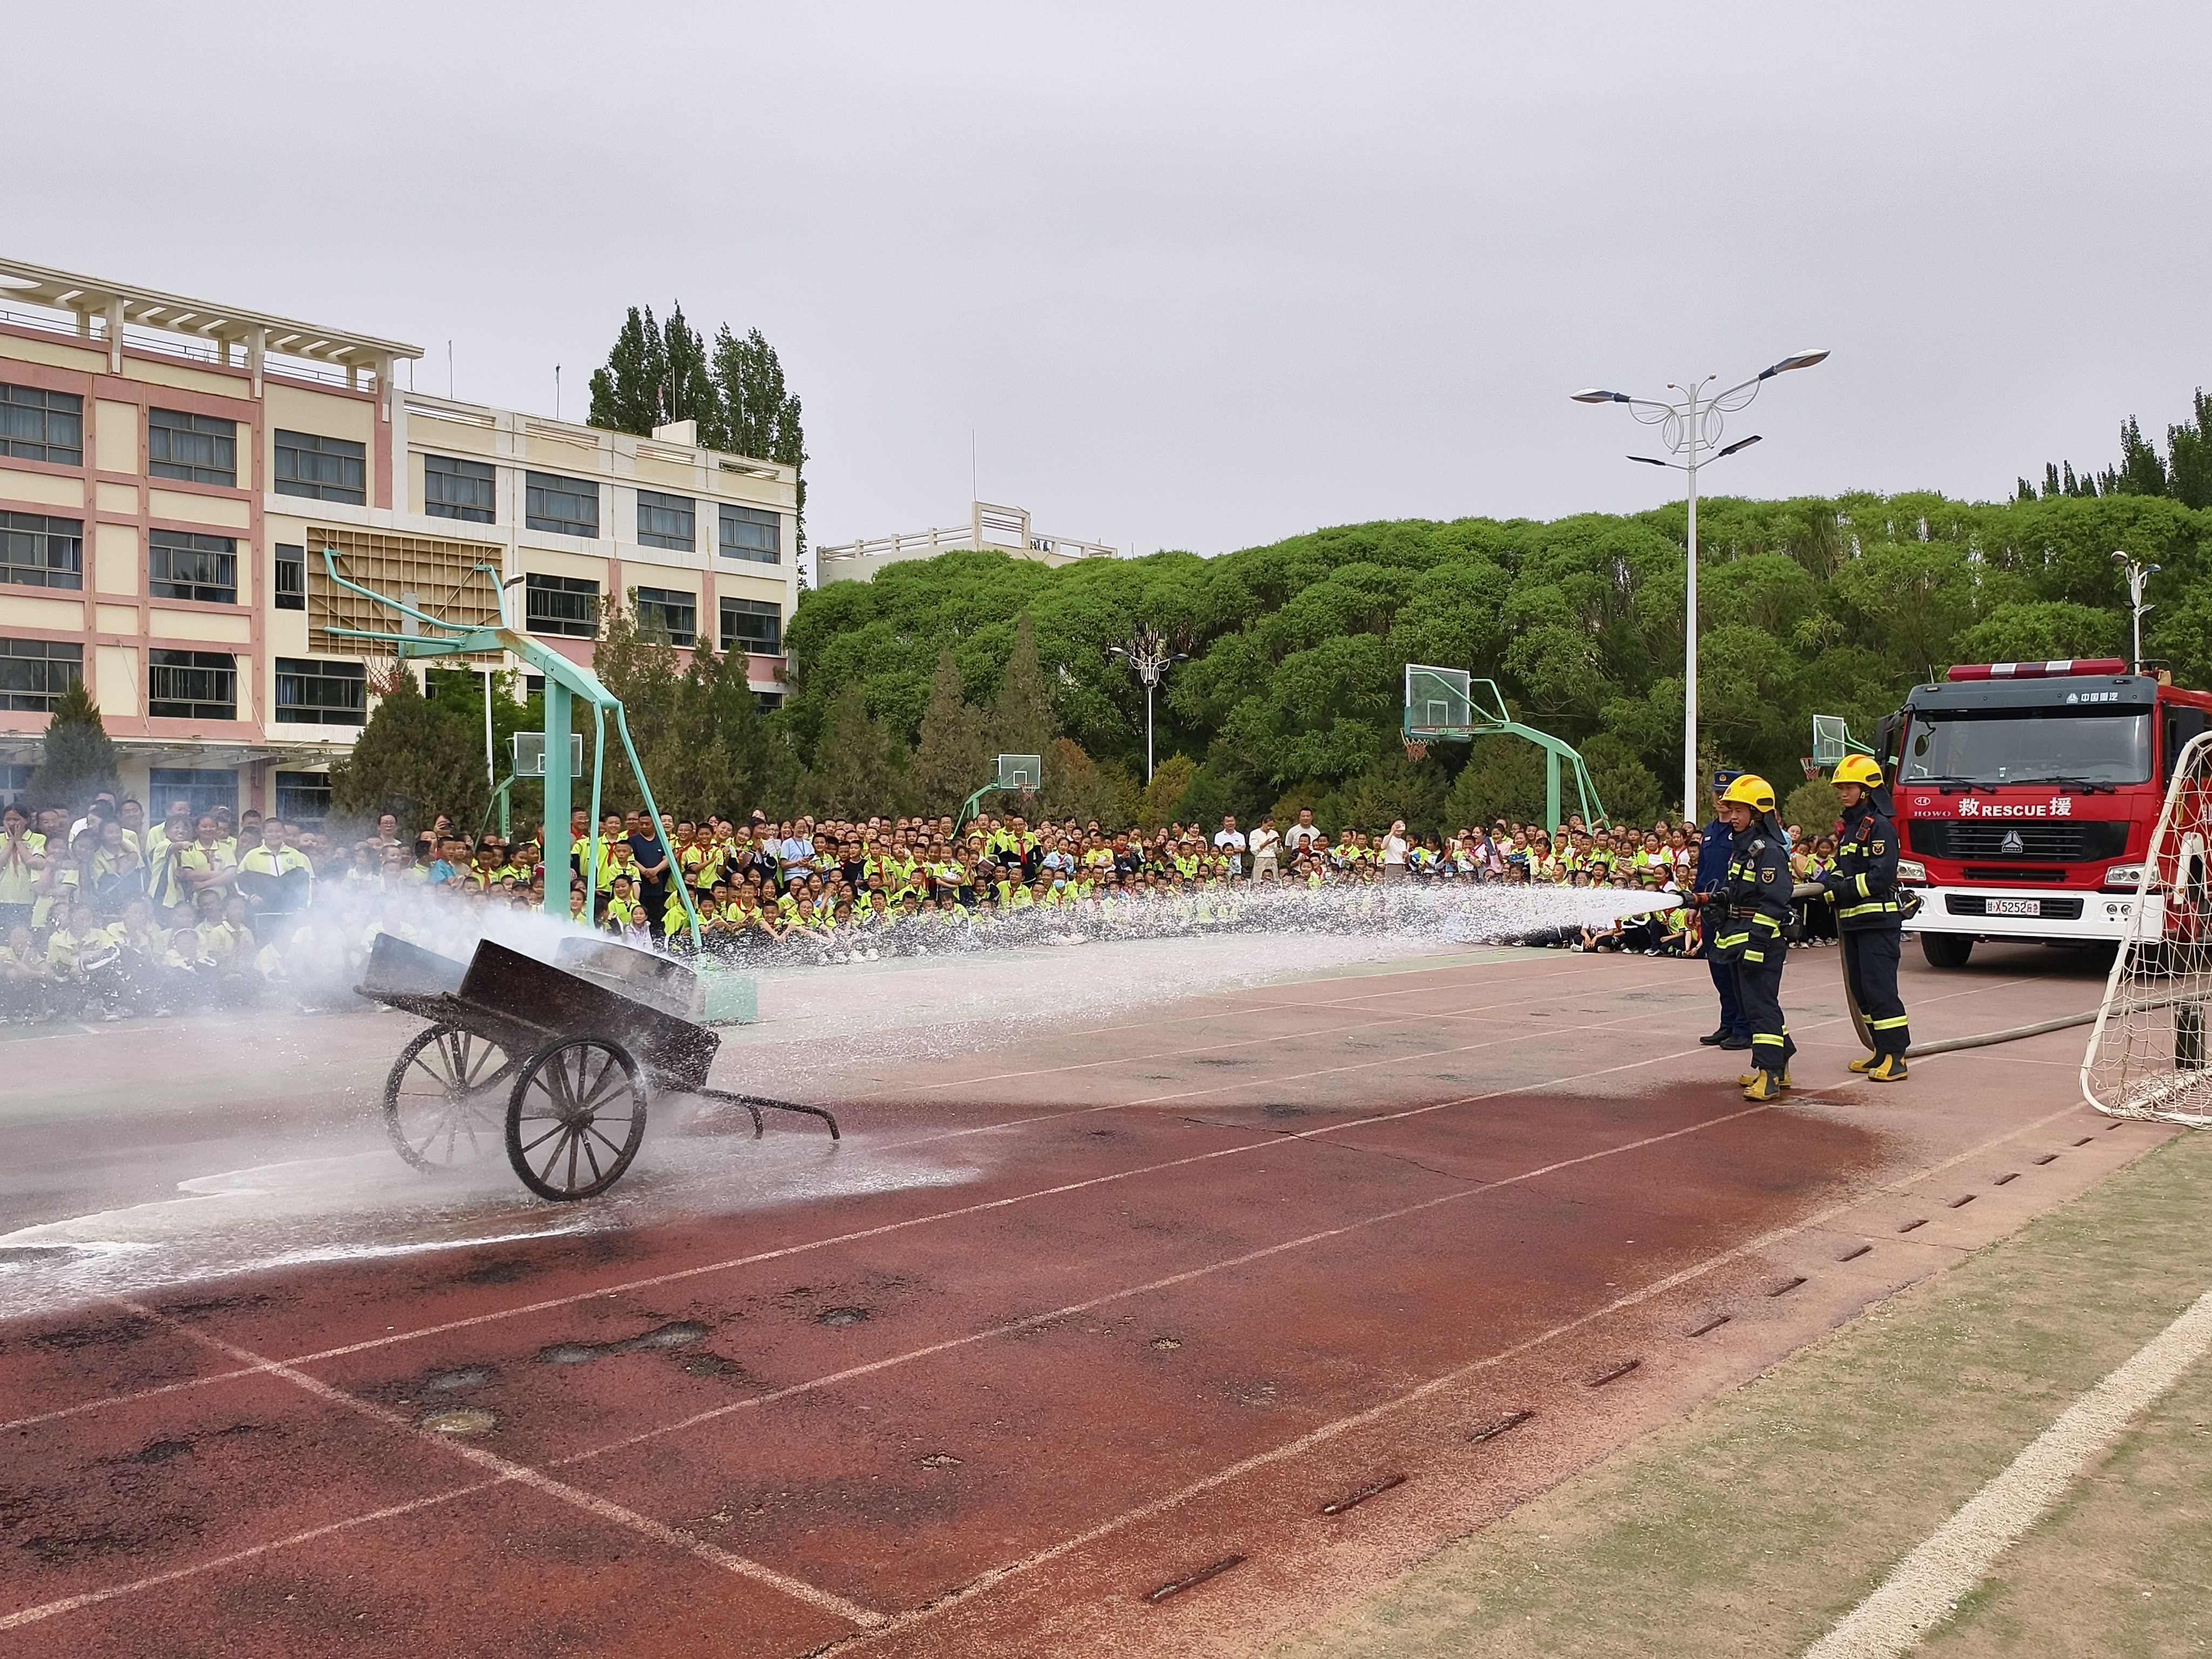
pixel 1692 427
pixel 1148 653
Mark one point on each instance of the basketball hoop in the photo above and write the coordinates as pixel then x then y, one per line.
pixel 1416 749
pixel 1813 768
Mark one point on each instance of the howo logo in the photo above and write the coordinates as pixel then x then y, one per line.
pixel 2059 806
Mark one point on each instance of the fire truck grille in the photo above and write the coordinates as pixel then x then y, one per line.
pixel 2064 843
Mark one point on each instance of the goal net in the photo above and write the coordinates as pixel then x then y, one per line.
pixel 2146 1052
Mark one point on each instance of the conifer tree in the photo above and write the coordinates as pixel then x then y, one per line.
pixel 1021 718
pixel 79 757
pixel 858 766
pixel 415 758
pixel 949 761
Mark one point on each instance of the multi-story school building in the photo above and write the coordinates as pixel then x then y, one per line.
pixel 173 471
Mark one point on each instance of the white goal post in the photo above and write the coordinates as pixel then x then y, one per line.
pixel 2147 1056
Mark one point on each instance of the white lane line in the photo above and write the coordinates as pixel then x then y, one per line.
pixel 994 1576
pixel 1264 1141
pixel 1921 1591
pixel 630 1287
pixel 93 1598
pixel 507 1469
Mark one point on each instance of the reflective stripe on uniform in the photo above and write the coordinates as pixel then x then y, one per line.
pixel 1878 907
pixel 1758 1037
pixel 1887 1024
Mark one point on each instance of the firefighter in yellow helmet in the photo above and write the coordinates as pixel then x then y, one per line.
pixel 1748 911
pixel 1868 922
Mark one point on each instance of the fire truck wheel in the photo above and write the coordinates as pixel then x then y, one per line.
pixel 1946 949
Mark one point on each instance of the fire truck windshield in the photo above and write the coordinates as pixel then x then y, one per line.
pixel 2027 746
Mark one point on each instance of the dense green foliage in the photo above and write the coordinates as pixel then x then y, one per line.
pixel 1293 694
pixel 78 758
pixel 660 373
pixel 2184 472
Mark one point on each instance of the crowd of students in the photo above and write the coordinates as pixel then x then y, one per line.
pixel 106 916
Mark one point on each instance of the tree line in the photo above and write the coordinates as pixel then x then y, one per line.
pixel 901 689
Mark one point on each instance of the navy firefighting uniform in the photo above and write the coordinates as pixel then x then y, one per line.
pixel 1753 904
pixel 1864 889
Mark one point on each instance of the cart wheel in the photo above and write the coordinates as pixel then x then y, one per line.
pixel 575 1118
pixel 441 1101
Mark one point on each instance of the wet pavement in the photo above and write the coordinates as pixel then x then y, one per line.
pixel 1151 1325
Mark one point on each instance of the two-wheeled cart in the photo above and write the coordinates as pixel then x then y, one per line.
pixel 560 1063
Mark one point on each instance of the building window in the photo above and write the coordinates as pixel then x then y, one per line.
pixel 749 533
pixel 311 693
pixel 767 702
pixel 455 489
pixel 14 779
pixel 669 611
pixel 43 426
pixel 197 448
pixel 290 587
pixel 183 566
pixel 192 685
pixel 303 797
pixel 664 521
pixel 322 469
pixel 750 625
pixel 34 673
pixel 568 605
pixel 204 791
pixel 41 552
pixel 567 507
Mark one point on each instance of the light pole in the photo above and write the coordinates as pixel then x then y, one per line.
pixel 1690 427
pixel 2138 574
pixel 1148 653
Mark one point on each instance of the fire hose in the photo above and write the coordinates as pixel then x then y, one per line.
pixel 1813 890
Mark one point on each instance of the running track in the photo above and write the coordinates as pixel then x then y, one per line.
pixel 1218 1266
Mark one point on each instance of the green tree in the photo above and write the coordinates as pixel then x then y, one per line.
pixel 2039 631
pixel 1393 788
pixel 951 759
pixel 1503 778
pixel 1814 805
pixel 2188 455
pixel 757 415
pixel 78 759
pixel 1076 787
pixel 655 374
pixel 1631 794
pixel 859 769
pixel 1164 795
pixel 414 759
pixel 1021 714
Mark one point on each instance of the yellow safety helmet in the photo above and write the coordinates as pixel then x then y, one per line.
pixel 1858 769
pixel 1752 791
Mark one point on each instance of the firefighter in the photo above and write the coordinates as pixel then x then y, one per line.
pixel 1713 853
pixel 1750 909
pixel 1868 920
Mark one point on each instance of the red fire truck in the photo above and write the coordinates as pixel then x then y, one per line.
pixel 2025 794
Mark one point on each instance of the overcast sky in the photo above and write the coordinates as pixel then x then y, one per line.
pixel 1194 275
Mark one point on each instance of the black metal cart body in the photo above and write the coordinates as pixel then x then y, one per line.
pixel 559 1063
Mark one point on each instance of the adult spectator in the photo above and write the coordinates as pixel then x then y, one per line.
pixel 649 851
pixel 1305 836
pixel 1266 844
pixel 1394 851
pixel 1229 844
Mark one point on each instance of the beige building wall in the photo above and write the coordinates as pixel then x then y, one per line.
pixel 135 637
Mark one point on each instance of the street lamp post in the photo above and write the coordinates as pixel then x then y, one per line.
pixel 2138 574
pixel 1148 653
pixel 1692 427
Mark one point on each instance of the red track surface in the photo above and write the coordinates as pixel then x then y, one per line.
pixel 1221 1266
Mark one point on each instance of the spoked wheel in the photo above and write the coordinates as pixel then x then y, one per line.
pixel 575 1118
pixel 441 1101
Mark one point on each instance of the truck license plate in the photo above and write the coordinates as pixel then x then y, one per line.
pixel 2014 907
